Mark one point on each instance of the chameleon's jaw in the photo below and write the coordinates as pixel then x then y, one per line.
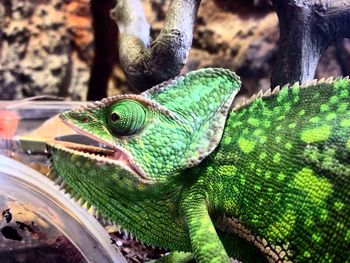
pixel 115 156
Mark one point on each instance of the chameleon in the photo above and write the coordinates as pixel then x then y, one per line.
pixel 265 181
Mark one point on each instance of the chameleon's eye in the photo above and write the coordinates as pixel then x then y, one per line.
pixel 126 117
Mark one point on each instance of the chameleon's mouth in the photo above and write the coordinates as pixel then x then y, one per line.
pixel 104 154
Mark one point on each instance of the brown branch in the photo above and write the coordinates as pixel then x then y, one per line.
pixel 307 28
pixel 144 63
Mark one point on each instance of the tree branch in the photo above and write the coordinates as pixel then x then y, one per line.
pixel 307 28
pixel 146 64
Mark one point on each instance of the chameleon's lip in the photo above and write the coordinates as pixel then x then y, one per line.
pixel 115 154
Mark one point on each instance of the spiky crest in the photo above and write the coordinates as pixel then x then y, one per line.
pixel 271 92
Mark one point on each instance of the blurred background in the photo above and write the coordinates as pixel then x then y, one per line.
pixel 48 46
pixel 68 48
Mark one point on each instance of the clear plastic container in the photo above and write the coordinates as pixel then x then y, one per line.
pixel 20 120
pixel 40 223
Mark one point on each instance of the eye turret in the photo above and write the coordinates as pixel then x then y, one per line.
pixel 126 117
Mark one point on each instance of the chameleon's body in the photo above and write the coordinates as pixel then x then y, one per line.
pixel 275 187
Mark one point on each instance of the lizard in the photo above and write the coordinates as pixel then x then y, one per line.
pixel 266 181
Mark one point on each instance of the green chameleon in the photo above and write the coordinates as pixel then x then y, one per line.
pixel 268 181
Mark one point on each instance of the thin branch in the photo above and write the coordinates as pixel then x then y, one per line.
pixel 144 63
pixel 307 28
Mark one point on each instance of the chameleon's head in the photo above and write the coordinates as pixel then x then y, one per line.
pixel 164 130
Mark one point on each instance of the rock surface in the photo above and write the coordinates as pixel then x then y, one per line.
pixel 47 46
pixel 45 49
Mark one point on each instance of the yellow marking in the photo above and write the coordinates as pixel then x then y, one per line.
pixel 278 139
pixel 333 100
pixel 220 187
pixel 307 254
pixel 331 116
pixel 262 139
pixel 301 113
pixel 281 176
pixel 268 175
pixel 295 90
pixel 292 125
pixel 288 146
pixel 210 169
pixel 266 123
pixel 316 188
pixel 347 235
pixel 342 107
pixel 230 205
pixel 338 205
pixel 341 84
pixel 316 237
pixel 344 94
pixel 287 107
pixel 309 222
pixel 281 229
pixel 227 170
pixel 282 94
pixel 253 122
pixel 317 134
pixel 314 119
pixel 245 145
pixel 262 156
pixel 227 140
pixel 324 214
pixel 277 158
pixel 345 123
pixel 257 132
pixel 236 124
pixel 324 107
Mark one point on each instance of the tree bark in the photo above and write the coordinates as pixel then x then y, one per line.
pixel 146 64
pixel 307 28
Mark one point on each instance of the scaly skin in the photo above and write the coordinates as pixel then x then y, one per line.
pixel 274 187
